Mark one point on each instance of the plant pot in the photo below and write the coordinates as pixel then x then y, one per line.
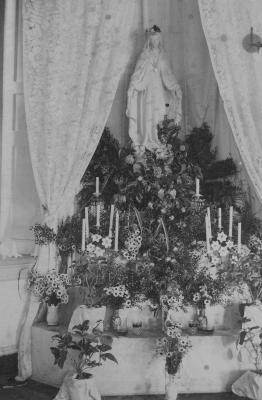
pixel 52 317
pixel 78 389
pixel 171 387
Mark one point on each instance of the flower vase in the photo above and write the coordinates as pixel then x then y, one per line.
pixel 52 317
pixel 202 319
pixel 116 320
pixel 171 387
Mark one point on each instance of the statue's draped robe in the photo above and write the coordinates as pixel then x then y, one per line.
pixel 152 86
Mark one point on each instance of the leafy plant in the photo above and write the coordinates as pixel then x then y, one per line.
pixel 91 345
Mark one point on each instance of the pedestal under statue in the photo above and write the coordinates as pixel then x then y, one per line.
pixel 152 86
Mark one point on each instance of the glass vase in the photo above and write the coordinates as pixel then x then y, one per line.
pixel 202 318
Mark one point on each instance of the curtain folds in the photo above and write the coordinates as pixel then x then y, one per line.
pixel 238 74
pixel 74 55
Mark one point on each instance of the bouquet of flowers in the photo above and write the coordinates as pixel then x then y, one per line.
pixel 174 346
pixel 98 245
pixel 117 296
pixel 245 272
pixel 50 287
pixel 221 248
pixel 202 298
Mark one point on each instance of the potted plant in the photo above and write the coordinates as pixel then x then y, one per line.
pixel 173 346
pixel 92 347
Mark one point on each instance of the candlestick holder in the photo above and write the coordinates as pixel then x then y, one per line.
pixel 197 202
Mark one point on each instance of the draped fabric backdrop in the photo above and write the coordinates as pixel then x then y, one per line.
pixel 238 74
pixel 74 56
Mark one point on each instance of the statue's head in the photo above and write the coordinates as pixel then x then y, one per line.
pixel 154 38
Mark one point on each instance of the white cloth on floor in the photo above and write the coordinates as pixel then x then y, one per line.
pixel 78 389
pixel 248 385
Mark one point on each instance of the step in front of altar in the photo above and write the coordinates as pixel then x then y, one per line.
pixel 211 365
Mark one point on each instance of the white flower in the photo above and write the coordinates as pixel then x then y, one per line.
pixel 161 194
pixel 196 297
pixel 230 244
pixel 99 252
pixel 215 260
pixel 206 302
pixel 173 193
pixel 150 204
pixel 129 159
pixel 215 245
pixel 90 248
pixel 107 242
pixel 222 237
pixel 223 251
pixel 96 238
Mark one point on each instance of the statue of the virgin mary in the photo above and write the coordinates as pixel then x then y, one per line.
pixel 152 87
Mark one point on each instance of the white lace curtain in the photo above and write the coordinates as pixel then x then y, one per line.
pixel 74 55
pixel 238 74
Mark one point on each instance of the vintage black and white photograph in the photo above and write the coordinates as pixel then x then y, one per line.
pixel 130 199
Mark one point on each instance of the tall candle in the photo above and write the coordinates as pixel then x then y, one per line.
pixel 219 218
pixel 207 234
pixel 209 222
pixel 83 235
pixel 116 231
pixel 98 215
pixel 87 222
pixel 239 237
pixel 97 186
pixel 197 187
pixel 111 220
pixel 230 221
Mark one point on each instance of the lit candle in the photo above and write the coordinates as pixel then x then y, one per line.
pixel 87 222
pixel 83 235
pixel 116 231
pixel 239 237
pixel 197 187
pixel 209 222
pixel 98 215
pixel 97 186
pixel 207 234
pixel 219 218
pixel 111 220
pixel 230 222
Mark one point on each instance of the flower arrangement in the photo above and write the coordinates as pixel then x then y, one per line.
pixel 50 287
pixel 174 346
pixel 221 247
pixel 98 245
pixel 92 346
pixel 117 297
pixel 43 234
pixel 245 270
pixel 202 298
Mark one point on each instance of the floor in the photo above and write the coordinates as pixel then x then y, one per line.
pixel 37 391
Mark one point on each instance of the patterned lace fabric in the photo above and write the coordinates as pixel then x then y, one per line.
pixel 74 55
pixel 238 74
